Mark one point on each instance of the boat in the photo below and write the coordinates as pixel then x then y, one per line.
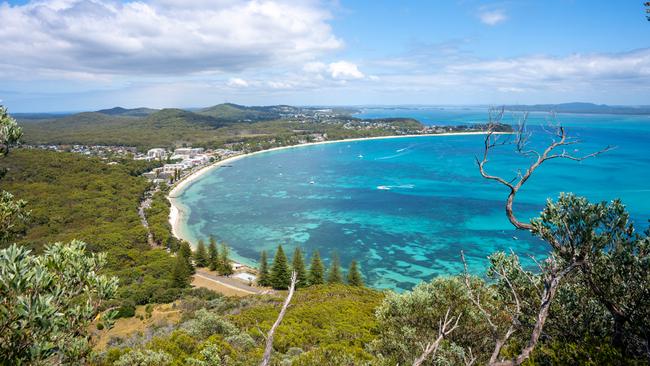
pixel 383 188
pixel 360 156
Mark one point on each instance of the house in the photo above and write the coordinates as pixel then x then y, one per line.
pixel 157 153
pixel 188 152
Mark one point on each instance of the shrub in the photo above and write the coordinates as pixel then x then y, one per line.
pixel 144 358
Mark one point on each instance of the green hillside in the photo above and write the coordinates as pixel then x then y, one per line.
pixel 133 112
pixel 167 127
pixel 234 112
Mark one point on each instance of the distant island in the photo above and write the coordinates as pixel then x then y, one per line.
pixel 587 108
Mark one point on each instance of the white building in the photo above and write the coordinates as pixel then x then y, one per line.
pixel 170 168
pixel 157 153
pixel 189 152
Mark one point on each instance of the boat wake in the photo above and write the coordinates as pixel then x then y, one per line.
pixel 402 186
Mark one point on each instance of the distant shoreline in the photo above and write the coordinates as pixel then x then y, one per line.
pixel 177 215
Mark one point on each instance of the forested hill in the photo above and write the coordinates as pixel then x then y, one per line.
pixel 254 128
pixel 161 128
pixel 70 196
pixel 133 112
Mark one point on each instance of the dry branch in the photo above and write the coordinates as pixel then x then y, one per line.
pixel 521 141
pixel 551 274
pixel 443 331
pixel 269 337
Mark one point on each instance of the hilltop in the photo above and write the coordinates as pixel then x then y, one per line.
pixel 133 112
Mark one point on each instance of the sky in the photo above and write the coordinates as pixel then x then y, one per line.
pixel 74 55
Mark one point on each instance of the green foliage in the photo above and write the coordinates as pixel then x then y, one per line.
pixel 316 270
pixel 10 132
pixel 334 274
pixel 201 256
pixel 263 276
pixel 319 316
pixel 206 323
pixel 76 197
pixel 615 269
pixel 144 358
pixel 12 217
pixel 184 255
pixel 213 254
pixel 354 276
pixel 181 271
pixel 280 275
pixel 126 309
pixel 224 267
pixel 158 219
pixel 408 320
pixel 298 266
pixel 48 301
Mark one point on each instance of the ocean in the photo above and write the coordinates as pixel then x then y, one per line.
pixel 405 208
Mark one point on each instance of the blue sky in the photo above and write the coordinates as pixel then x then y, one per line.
pixel 70 55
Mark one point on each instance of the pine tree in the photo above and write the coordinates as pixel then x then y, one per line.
pixel 185 252
pixel 201 256
pixel 213 254
pixel 180 272
pixel 263 273
pixel 298 266
pixel 224 267
pixel 280 276
pixel 334 274
pixel 354 276
pixel 316 270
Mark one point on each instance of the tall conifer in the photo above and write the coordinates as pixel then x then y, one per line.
pixel 185 252
pixel 263 272
pixel 316 270
pixel 280 276
pixel 354 276
pixel 200 255
pixel 298 266
pixel 213 254
pixel 334 274
pixel 225 267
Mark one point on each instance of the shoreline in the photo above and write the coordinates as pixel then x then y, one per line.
pixel 177 215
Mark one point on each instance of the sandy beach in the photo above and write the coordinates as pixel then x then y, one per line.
pixel 177 215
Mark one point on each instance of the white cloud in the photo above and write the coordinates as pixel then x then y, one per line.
pixel 314 67
pixel 237 83
pixel 344 70
pixel 161 37
pixel 492 17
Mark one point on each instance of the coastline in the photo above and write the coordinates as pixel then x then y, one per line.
pixel 177 214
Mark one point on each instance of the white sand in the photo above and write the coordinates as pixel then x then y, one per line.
pixel 177 215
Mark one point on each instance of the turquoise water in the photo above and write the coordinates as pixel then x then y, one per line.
pixel 405 208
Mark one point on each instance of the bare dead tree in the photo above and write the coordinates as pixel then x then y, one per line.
pixel 443 331
pixel 269 337
pixel 552 272
pixel 521 139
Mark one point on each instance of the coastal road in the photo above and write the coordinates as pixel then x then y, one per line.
pixel 230 283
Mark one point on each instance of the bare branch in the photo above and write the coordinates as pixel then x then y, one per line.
pixel 269 337
pixel 443 331
pixel 521 140
pixel 476 299
pixel 551 284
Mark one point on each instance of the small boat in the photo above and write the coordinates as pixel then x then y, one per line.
pixel 360 156
pixel 383 188
pixel 515 238
pixel 312 182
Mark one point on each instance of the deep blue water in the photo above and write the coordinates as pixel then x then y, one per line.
pixel 436 203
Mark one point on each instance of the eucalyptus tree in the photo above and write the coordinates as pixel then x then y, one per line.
pixel 48 302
